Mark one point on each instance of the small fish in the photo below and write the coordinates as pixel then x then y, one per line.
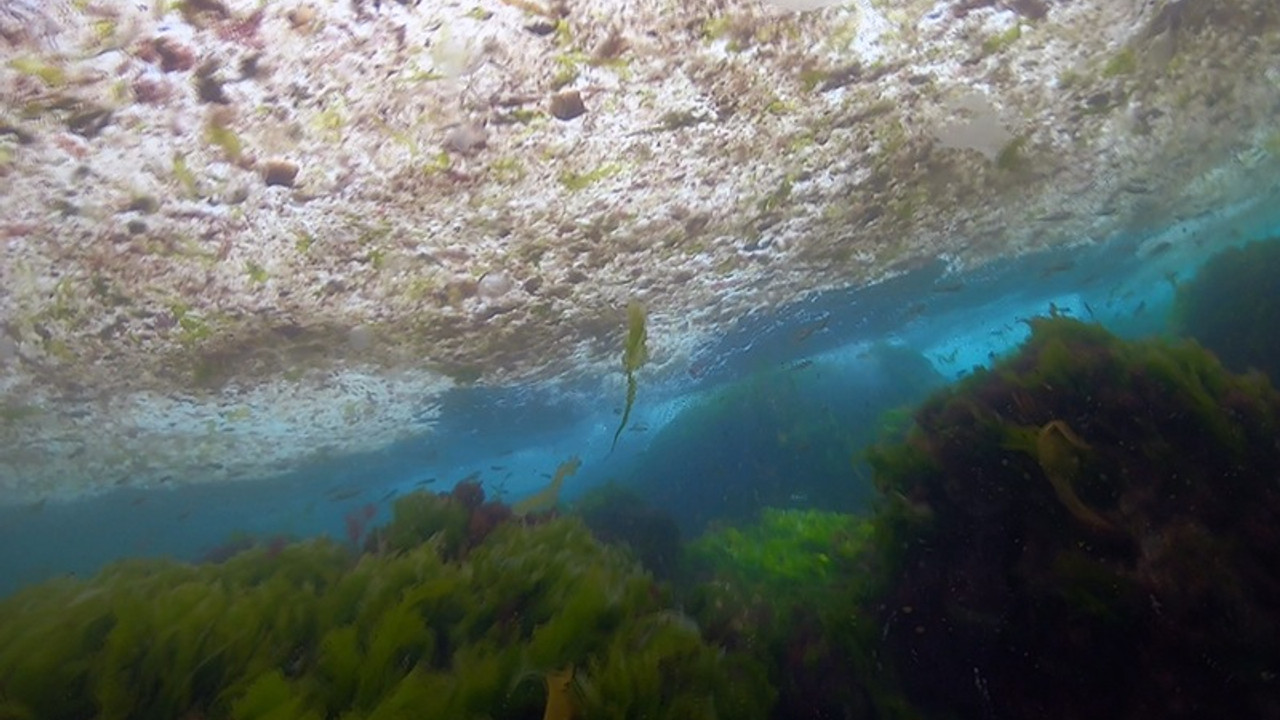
pixel 949 289
pixel 426 481
pixel 1141 307
pixel 343 493
pixel 698 368
pixel 1056 268
pixel 390 494
pixel 949 357
pixel 1089 310
pixel 639 427
pixel 497 468
pixel 801 364
pixel 806 332
pixel 473 477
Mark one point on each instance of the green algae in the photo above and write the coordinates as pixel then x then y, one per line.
pixel 801 588
pixel 220 135
pixel 51 75
pixel 1124 62
pixel 634 354
pixel 575 181
pixel 547 498
pixel 314 629
pixel 1124 490
pixel 1000 42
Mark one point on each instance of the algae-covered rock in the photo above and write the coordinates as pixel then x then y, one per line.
pixel 1089 529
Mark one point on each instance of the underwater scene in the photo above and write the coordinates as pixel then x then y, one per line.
pixel 689 359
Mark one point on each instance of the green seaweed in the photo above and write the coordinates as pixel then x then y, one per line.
pixel 257 274
pixel 1056 447
pixel 1013 155
pixel 314 630
pixel 272 697
pixel 634 355
pixel 186 178
pixel 422 517
pixel 1000 42
pixel 801 586
pixel 547 498
pixel 1124 62
pixel 581 180
pixel 223 137
pixel 1124 490
pixel 51 75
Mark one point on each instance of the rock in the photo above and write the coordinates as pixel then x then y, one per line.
pixel 494 285
pixel 567 105
pixel 280 172
pixel 466 139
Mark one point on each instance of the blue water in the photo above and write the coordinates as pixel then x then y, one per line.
pixel 732 432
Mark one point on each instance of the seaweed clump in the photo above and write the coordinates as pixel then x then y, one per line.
pixel 1232 307
pixel 794 587
pixel 1089 529
pixel 437 622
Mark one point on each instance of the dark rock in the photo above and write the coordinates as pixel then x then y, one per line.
pixel 280 172
pixel 567 105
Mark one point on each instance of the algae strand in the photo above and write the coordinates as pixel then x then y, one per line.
pixel 634 355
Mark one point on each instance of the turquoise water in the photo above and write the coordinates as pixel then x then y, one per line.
pixel 829 352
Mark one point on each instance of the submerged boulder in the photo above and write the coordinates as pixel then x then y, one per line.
pixel 1089 529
